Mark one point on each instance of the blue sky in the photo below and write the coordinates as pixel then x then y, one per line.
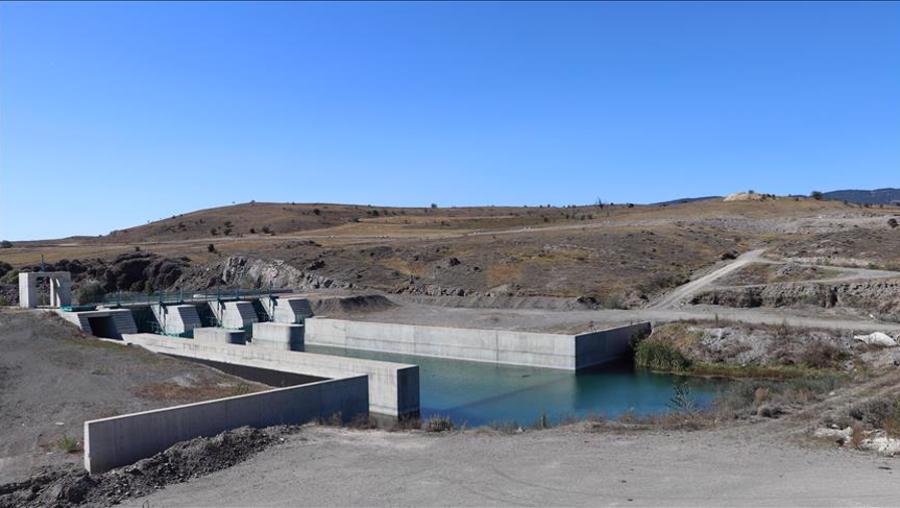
pixel 115 114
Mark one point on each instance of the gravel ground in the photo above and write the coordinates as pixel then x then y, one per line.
pixel 558 467
pixel 73 486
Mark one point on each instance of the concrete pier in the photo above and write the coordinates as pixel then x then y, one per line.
pixel 238 314
pixel 291 310
pixel 176 319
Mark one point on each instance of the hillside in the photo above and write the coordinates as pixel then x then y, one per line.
pixel 885 196
pixel 618 255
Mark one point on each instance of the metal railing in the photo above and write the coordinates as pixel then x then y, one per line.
pixel 122 298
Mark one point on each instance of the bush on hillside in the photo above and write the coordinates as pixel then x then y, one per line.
pixel 656 355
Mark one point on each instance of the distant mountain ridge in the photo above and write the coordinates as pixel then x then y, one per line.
pixel 886 196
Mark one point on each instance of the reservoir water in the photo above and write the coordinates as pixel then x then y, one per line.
pixel 474 393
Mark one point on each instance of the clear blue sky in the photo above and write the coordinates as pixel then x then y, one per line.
pixel 115 114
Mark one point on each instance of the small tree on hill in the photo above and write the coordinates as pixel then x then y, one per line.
pixel 817 195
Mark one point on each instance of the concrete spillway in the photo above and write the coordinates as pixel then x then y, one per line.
pixel 109 323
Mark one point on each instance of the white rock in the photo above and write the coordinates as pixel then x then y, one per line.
pixel 877 339
pixel 842 435
pixel 884 445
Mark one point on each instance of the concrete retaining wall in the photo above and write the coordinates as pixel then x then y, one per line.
pixel 393 387
pixel 122 440
pixel 597 348
pixel 211 335
pixel 282 336
pixel 548 350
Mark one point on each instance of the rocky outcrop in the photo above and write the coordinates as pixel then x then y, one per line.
pixel 133 271
pixel 880 298
pixel 261 273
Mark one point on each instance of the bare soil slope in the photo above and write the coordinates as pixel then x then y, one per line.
pixel 53 378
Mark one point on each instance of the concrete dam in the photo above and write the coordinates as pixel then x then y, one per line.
pixel 279 333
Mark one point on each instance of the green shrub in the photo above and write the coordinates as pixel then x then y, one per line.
pixel 822 355
pixel 90 292
pixel 5 244
pixel 655 355
pixel 68 444
pixel 10 277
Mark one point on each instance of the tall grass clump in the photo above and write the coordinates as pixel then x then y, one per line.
pixel 655 355
pixel 438 423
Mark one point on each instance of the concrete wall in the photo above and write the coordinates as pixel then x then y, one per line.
pixel 393 387
pixel 597 348
pixel 282 336
pixel 122 440
pixel 210 335
pixel 548 350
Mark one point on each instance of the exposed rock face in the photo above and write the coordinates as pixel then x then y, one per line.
pixel 142 271
pixel 881 298
pixel 276 273
pixel 134 271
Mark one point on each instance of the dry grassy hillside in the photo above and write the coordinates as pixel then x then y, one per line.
pixel 616 255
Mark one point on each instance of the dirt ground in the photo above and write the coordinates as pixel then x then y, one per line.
pixel 53 378
pixel 558 467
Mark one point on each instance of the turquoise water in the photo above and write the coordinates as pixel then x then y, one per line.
pixel 481 393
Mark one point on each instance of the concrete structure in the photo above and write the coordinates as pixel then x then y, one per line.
pixel 176 319
pixel 237 314
pixel 291 310
pixel 122 440
pixel 393 387
pixel 109 323
pixel 548 350
pixel 60 288
pixel 214 336
pixel 281 336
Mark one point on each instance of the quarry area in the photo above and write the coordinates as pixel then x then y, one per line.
pixel 697 353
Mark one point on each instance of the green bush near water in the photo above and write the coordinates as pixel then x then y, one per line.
pixel 655 355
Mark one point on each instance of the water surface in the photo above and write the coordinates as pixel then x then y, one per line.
pixel 477 393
